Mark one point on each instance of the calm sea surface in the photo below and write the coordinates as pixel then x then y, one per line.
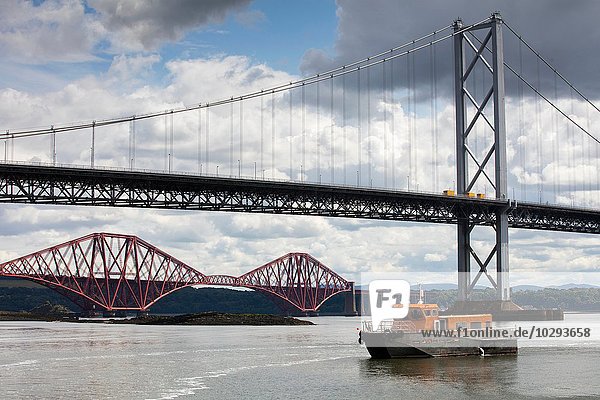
pixel 100 361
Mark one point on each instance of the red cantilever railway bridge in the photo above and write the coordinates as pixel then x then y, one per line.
pixel 116 272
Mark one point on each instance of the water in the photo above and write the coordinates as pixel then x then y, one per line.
pixel 101 361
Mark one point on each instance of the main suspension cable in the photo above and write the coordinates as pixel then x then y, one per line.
pixel 511 69
pixel 339 71
pixel 565 80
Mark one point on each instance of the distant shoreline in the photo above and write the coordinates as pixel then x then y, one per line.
pixel 25 316
pixel 208 318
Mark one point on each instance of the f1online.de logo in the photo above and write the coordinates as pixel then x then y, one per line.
pixel 389 299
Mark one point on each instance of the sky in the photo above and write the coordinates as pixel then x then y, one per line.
pixel 66 61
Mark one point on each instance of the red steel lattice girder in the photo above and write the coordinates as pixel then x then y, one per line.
pixel 222 280
pixel 122 272
pixel 106 271
pixel 298 278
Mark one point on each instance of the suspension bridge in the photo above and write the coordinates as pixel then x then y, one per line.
pixel 445 128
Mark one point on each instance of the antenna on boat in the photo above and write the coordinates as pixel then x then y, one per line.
pixel 421 294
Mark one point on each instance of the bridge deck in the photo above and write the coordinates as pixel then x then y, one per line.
pixel 121 188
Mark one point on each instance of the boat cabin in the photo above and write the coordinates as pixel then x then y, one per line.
pixel 427 316
pixel 471 321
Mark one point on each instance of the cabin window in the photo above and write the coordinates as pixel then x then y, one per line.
pixel 476 325
pixel 443 324
pixel 427 313
pixel 416 314
pixel 461 325
pixel 434 313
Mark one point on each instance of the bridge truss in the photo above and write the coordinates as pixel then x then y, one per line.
pixel 113 272
pixel 113 188
pixel 105 272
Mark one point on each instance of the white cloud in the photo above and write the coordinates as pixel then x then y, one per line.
pixel 132 69
pixel 53 31
pixel 435 257
pixel 145 25
pixel 64 31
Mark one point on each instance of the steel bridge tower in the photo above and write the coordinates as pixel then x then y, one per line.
pixel 464 68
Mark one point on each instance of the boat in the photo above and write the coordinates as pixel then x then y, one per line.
pixel 426 333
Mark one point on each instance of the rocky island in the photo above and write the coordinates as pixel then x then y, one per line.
pixel 214 318
pixel 50 312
